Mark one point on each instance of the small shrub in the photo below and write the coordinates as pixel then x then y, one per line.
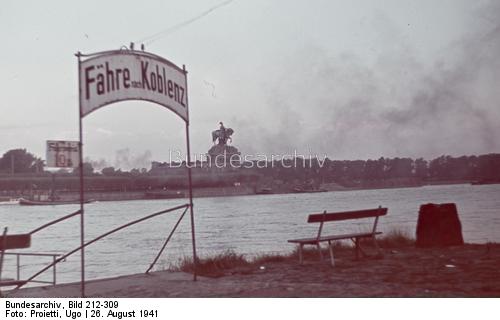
pixel 395 238
pixel 270 258
pixel 213 266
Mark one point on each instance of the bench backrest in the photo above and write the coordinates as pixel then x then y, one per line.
pixel 346 215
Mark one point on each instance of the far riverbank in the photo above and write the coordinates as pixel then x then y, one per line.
pixel 240 190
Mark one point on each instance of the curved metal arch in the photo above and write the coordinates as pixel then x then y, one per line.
pixel 103 54
pixel 140 99
pixel 131 52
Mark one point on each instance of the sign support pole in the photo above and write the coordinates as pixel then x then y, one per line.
pixel 188 164
pixel 80 145
pixel 190 181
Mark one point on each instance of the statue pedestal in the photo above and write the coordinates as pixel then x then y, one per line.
pixel 224 156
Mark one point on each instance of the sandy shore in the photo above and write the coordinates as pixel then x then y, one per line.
pixel 465 271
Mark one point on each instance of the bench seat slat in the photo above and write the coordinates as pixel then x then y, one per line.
pixel 346 215
pixel 334 237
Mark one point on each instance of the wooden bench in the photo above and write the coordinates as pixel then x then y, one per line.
pixel 321 218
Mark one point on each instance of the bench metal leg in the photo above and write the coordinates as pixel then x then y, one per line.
pixel 358 249
pixel 301 259
pixel 319 250
pixel 376 245
pixel 356 243
pixel 332 260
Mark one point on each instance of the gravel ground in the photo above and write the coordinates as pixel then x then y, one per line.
pixel 463 271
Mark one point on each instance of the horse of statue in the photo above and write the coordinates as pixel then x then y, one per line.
pixel 222 136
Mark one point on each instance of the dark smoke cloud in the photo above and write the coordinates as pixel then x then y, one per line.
pixel 397 106
pixel 98 165
pixel 126 161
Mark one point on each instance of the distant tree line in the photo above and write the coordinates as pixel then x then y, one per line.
pixel 484 167
pixel 21 170
pixel 20 161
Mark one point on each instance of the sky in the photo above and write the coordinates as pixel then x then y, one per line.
pixel 346 79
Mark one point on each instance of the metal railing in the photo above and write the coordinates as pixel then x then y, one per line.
pixel 58 258
pixel 18 265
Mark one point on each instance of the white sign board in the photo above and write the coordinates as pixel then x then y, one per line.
pixel 63 154
pixel 132 75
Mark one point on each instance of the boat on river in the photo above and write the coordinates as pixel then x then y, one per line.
pixel 484 181
pixel 29 202
pixel 8 200
pixel 164 194
pixel 264 191
pixel 303 190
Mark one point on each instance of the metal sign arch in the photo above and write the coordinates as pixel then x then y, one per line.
pixel 109 77
pixel 156 104
pixel 121 75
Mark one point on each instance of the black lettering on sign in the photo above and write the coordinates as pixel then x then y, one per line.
pixel 88 81
pixel 170 88
pixel 102 79
pixel 182 97
pixel 164 83
pixel 160 79
pixel 126 78
pixel 100 84
pixel 153 81
pixel 144 75
pixel 176 92
pixel 118 71
pixel 110 78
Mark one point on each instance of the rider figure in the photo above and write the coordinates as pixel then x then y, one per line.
pixel 222 133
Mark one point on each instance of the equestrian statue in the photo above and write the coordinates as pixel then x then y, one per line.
pixel 223 135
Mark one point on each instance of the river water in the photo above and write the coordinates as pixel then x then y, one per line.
pixel 249 225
